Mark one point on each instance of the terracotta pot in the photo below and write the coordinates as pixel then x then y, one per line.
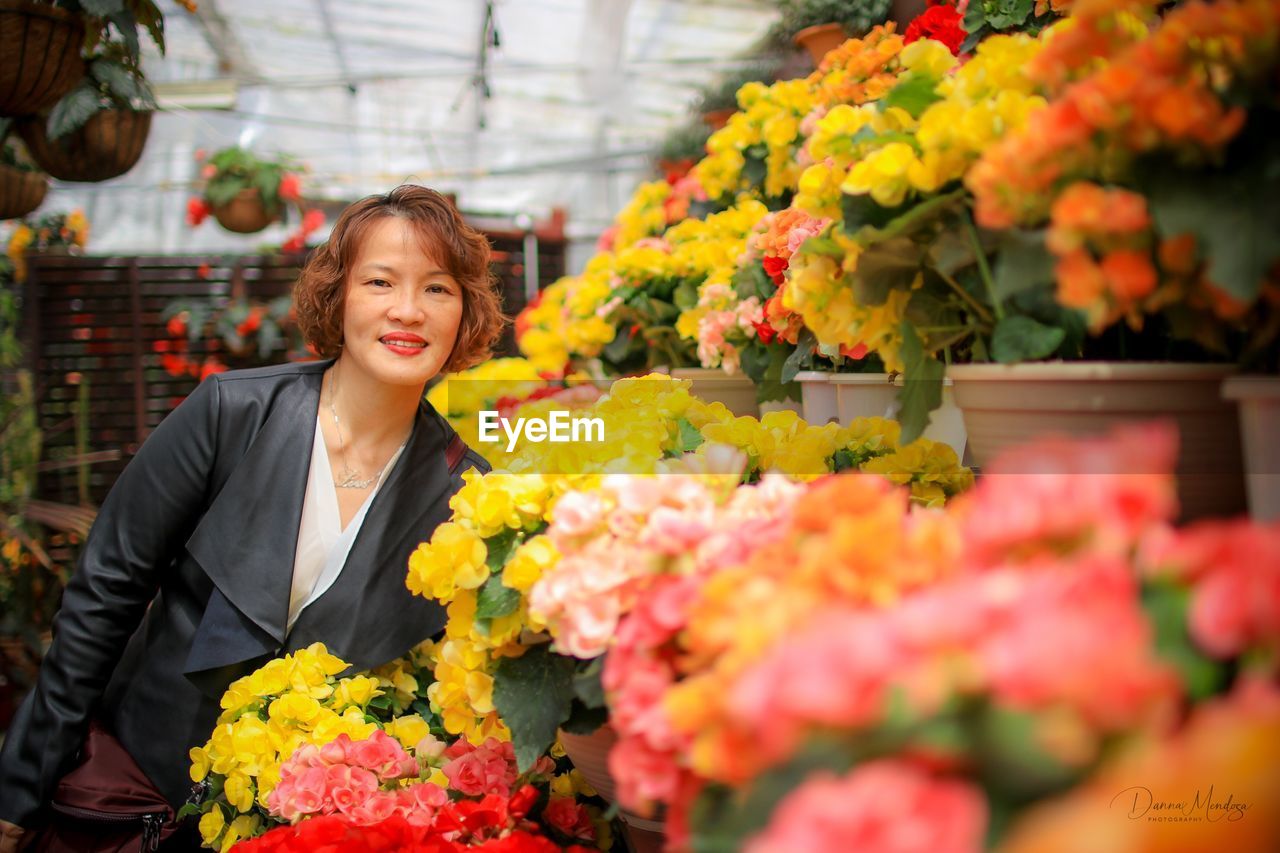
pixel 244 214
pixel 717 119
pixel 737 392
pixel 1259 401
pixel 1006 405
pixel 590 755
pixel 108 145
pixel 820 39
pixel 20 191
pixel 39 56
pixel 818 397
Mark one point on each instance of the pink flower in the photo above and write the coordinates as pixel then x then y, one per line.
pixel 485 769
pixel 886 806
pixel 1233 568
pixel 311 220
pixel 383 755
pixel 348 786
pixel 575 514
pixel 644 775
pixel 290 188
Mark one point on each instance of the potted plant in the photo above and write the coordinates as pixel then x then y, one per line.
pixel 22 186
pixel 99 129
pixel 681 148
pixel 243 191
pixel 820 25
pixel 719 100
pixel 50 32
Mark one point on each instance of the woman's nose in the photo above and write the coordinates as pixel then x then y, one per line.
pixel 408 307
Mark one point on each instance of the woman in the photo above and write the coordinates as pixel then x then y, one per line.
pixel 274 508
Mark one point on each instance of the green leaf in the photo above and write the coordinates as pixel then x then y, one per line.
pixel 1233 212
pixel 1022 263
pixel 75 108
pixel 102 8
pixel 1004 14
pixel 269 338
pixel 922 386
pixel 884 268
pixel 587 685
pixel 822 246
pixel 689 438
pixel 685 295
pixel 617 350
pixel 755 361
pixel 913 94
pixel 754 170
pixel 534 694
pixel 500 547
pixel 496 599
pixel 583 720
pixel 1167 606
pixel 127 25
pixel 858 211
pixel 805 343
pixel 912 217
pixel 1018 338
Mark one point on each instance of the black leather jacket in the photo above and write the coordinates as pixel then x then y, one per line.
pixel 183 585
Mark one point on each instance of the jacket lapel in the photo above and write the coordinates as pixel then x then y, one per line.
pixel 247 538
pixel 368 616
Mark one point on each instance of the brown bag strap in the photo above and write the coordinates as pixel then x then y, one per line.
pixel 454 452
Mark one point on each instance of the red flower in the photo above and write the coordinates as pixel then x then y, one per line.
pixel 290 188
pixel 295 243
pixel 775 267
pixel 177 325
pixel 311 220
pixel 765 332
pixel 569 818
pixel 204 270
pixel 940 23
pixel 197 210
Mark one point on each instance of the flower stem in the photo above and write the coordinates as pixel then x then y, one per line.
pixel 977 306
pixel 983 269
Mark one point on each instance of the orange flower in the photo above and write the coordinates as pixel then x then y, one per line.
pixel 1080 281
pixel 1178 254
pixel 1129 274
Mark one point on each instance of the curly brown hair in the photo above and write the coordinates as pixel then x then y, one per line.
pixel 319 294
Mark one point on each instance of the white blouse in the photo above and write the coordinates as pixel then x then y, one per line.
pixel 323 544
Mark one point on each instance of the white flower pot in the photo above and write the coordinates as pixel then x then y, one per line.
pixel 817 397
pixel 737 392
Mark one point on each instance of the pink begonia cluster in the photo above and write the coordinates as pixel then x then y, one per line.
pixel 639 669
pixel 886 806
pixel 346 777
pixel 725 316
pixel 614 541
pixel 1234 570
pixel 489 768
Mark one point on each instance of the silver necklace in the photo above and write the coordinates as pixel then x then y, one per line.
pixel 350 478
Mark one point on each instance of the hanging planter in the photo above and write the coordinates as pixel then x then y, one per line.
pixel 21 191
pixel 716 119
pixel 39 55
pixel 244 214
pixel 820 40
pixel 108 144
pixel 1006 405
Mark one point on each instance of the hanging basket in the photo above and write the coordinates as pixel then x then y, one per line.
pixel 107 146
pixel 39 56
pixel 717 119
pixel 20 192
pixel 819 40
pixel 244 214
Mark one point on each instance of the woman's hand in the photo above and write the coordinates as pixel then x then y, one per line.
pixel 10 837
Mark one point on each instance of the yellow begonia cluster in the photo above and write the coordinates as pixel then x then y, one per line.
pixel 268 714
pixel 893 158
pixel 506 511
pixel 643 216
pixel 770 118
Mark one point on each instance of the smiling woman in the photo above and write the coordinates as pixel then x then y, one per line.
pixel 274 508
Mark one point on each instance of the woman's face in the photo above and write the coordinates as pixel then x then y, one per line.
pixel 403 308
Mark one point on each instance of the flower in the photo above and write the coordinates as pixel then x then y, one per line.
pixel 887 806
pixel 940 22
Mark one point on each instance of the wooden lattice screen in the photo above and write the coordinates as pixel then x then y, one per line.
pixel 93 320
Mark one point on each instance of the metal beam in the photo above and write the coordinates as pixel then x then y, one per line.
pixel 233 59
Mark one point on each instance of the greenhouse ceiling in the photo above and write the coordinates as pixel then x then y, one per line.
pixel 517 106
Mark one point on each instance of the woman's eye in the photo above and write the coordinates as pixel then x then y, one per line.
pixel 380 282
pixel 437 288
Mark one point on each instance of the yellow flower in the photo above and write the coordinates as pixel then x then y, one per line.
pixel 455 557
pixel 201 764
pixel 295 707
pixel 528 563
pixel 409 730
pixel 245 826
pixel 239 791
pixel 926 56
pixel 355 691
pixel 211 825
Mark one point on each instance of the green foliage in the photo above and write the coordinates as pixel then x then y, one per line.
pixel 922 386
pixel 723 92
pixel 686 142
pixel 112 81
pixel 1166 605
pixel 123 20
pixel 1018 338
pixel 496 599
pixel 856 16
pixel 984 17
pixel 914 94
pixel 534 693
